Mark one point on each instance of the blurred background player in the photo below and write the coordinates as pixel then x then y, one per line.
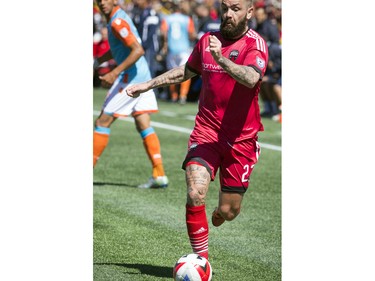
pixel 271 86
pixel 204 23
pixel 267 27
pixel 147 21
pixel 126 50
pixel 178 33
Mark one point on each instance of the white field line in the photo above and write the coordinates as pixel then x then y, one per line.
pixel 184 130
pixel 173 114
pixel 168 113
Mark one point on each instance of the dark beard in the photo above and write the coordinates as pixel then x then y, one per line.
pixel 230 32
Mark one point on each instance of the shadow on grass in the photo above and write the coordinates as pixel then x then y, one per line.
pixel 153 270
pixel 113 183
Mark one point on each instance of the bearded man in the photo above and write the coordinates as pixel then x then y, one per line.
pixel 232 62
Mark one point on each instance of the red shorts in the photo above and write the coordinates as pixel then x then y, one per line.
pixel 236 161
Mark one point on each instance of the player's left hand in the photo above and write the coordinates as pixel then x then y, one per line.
pixel 215 47
pixel 108 79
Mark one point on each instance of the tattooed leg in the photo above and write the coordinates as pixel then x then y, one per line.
pixel 197 182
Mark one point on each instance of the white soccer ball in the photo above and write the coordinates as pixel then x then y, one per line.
pixel 192 267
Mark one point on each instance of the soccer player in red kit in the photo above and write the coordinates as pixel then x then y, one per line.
pixel 232 62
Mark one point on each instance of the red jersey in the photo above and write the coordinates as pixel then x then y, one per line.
pixel 228 110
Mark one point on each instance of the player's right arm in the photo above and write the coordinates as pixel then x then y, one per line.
pixel 174 76
pixel 122 30
pixel 241 73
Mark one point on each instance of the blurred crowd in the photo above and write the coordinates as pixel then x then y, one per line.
pixel 154 18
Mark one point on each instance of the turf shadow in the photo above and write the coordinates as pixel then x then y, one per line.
pixel 113 183
pixel 153 270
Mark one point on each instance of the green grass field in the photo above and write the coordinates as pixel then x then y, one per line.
pixel 140 234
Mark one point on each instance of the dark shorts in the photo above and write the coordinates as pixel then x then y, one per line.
pixel 235 160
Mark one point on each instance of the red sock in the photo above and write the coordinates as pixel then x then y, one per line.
pixel 197 227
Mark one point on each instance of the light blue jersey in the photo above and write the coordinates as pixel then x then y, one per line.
pixel 178 26
pixel 121 34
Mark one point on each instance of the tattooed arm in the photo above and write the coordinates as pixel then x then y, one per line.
pixel 173 76
pixel 243 74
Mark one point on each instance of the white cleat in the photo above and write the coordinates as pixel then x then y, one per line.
pixel 158 182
